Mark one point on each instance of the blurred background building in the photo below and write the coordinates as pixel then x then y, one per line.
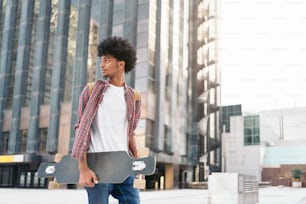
pixel 266 144
pixel 48 54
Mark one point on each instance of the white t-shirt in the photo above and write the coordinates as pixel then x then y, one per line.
pixel 109 127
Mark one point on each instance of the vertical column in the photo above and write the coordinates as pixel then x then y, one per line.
pixel 130 32
pixel 105 28
pixel 170 83
pixel 39 69
pixel 174 56
pixel 58 73
pixel 6 58
pixel 80 62
pixel 21 71
pixel 192 153
pixel 0 12
pixel 158 138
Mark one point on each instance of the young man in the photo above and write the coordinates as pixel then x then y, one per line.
pixel 107 117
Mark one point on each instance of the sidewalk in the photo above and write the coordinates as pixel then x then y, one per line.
pixel 268 195
pixel 282 195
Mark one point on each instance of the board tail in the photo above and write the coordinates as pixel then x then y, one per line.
pixel 145 165
pixel 46 170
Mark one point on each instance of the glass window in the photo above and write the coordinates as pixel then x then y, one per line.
pixel 143 26
pixel 32 53
pixel 149 133
pixel 142 54
pixel 151 56
pixel 143 11
pixel 251 130
pixel 141 84
pixel 212 126
pixel 168 140
pixel 2 7
pixel 118 5
pixel 151 86
pixel 4 142
pixel 142 40
pixel 14 58
pixel 142 69
pixel 43 140
pixel 118 17
pixel 50 58
pixel 92 52
pixel 70 53
pixel 118 30
pixel 23 140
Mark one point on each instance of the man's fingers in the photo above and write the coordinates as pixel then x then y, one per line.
pixel 88 179
pixel 90 183
pixel 95 180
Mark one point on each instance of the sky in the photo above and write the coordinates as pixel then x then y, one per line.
pixel 261 49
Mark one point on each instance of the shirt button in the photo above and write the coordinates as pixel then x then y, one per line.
pixel 84 143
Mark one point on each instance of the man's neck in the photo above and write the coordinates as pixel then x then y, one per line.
pixel 116 81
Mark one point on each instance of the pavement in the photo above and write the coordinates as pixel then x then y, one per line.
pixel 267 195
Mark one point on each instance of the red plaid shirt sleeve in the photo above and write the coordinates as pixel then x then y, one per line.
pixel 137 113
pixel 79 142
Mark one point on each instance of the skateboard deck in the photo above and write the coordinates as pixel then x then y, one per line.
pixel 110 167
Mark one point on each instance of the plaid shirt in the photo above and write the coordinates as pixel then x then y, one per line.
pixel 88 106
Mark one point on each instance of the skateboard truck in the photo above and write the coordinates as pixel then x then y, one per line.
pixel 138 165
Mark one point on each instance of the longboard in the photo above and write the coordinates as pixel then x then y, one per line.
pixel 110 167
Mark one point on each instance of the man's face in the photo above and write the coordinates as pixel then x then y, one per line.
pixel 110 66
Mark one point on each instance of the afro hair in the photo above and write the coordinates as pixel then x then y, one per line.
pixel 120 49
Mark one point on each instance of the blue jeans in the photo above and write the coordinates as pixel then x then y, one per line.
pixel 124 192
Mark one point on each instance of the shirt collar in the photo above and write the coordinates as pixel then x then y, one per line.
pixel 107 83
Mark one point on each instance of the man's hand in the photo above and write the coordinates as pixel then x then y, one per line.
pixel 87 177
pixel 140 176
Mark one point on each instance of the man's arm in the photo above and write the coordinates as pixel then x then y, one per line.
pixel 79 141
pixel 132 141
pixel 133 146
pixel 87 176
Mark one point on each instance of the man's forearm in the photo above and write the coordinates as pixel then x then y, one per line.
pixel 83 161
pixel 133 146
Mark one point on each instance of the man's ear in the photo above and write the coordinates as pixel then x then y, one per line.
pixel 122 64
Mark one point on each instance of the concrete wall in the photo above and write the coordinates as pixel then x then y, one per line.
pixel 285 124
pixel 237 157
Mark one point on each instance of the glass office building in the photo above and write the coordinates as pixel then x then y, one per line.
pixel 48 54
pixel 206 87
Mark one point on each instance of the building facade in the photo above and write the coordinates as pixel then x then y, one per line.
pixel 48 54
pixel 267 144
pixel 206 108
